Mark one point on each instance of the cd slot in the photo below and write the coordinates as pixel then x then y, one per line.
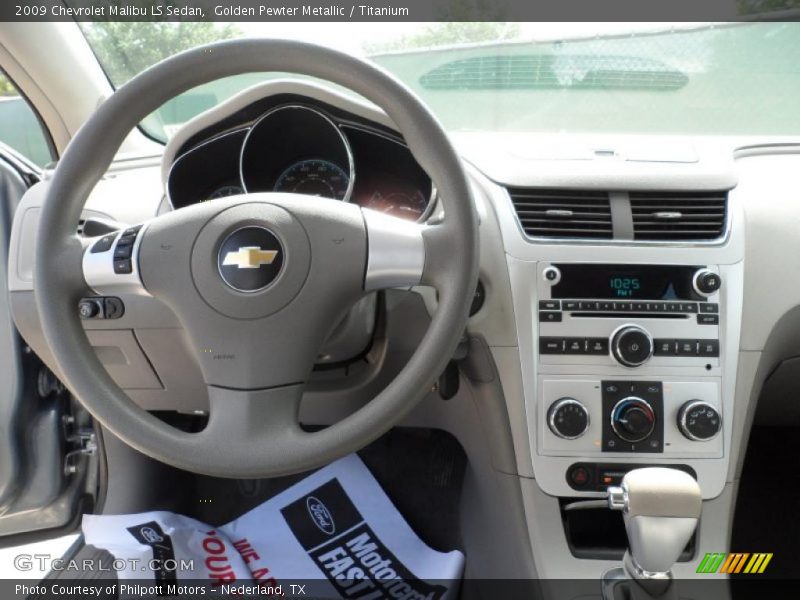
pixel 630 315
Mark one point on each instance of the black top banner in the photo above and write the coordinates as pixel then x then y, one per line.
pixel 398 10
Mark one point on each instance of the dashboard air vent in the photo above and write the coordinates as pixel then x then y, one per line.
pixel 552 213
pixel 678 216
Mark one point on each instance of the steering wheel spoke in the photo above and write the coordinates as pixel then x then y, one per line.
pixel 111 263
pixel 396 251
pixel 265 420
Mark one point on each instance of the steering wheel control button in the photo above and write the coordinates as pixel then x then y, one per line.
pixel 631 345
pixel 706 282
pixel 91 308
pixel 552 275
pixel 568 418
pixel 104 243
pixel 699 421
pixel 121 252
pixel 123 266
pixel 250 259
pixel 633 416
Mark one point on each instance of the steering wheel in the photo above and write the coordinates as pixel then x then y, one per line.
pixel 257 280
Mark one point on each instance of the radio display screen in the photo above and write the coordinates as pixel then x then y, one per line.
pixel 625 282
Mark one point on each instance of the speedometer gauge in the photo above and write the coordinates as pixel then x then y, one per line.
pixel 314 177
pixel 225 191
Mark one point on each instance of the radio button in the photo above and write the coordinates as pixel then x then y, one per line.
pixel 674 306
pixel 622 306
pixel 597 346
pixel 549 305
pixel 687 347
pixel 588 305
pixel 665 347
pixel 689 307
pixel 575 346
pixel 709 348
pixel 551 345
pixel 640 307
pixel 709 307
pixel 703 319
pixel 605 306
pixel 657 307
pixel 549 317
pixel 570 304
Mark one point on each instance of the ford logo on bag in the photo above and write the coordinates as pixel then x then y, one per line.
pixel 151 535
pixel 320 515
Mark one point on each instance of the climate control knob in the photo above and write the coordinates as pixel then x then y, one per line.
pixel 633 419
pixel 568 418
pixel 699 421
pixel 631 345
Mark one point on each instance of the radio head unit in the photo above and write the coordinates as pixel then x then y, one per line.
pixel 625 282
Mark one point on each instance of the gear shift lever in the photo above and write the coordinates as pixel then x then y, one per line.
pixel 661 508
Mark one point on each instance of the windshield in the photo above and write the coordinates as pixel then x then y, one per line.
pixel 544 77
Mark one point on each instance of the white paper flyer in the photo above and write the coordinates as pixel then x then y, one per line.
pixel 333 534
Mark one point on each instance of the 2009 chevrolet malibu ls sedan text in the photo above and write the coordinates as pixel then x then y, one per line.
pixel 416 310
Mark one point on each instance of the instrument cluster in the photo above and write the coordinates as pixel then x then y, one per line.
pixel 302 149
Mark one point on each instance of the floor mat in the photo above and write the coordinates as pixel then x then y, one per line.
pixel 766 517
pixel 330 532
pixel 421 470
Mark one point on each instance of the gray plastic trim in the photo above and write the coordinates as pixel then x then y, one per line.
pixel 396 255
pixel 98 269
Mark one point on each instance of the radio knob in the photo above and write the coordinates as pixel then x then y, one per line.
pixel 699 421
pixel 568 418
pixel 633 419
pixel 706 282
pixel 631 345
pixel 552 275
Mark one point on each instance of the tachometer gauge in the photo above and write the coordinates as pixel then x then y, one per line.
pixel 314 177
pixel 398 204
pixel 225 191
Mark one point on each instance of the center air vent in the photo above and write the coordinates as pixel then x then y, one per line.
pixel 678 216
pixel 553 213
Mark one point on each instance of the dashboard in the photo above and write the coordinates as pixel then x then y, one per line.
pixel 628 337
pixel 292 145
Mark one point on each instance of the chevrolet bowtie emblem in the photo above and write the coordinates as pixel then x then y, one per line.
pixel 249 257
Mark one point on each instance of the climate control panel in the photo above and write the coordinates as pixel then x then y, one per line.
pixel 582 416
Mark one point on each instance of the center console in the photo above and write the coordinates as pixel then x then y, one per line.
pixel 626 317
pixel 629 368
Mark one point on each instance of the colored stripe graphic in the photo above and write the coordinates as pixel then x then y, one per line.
pixel 734 562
